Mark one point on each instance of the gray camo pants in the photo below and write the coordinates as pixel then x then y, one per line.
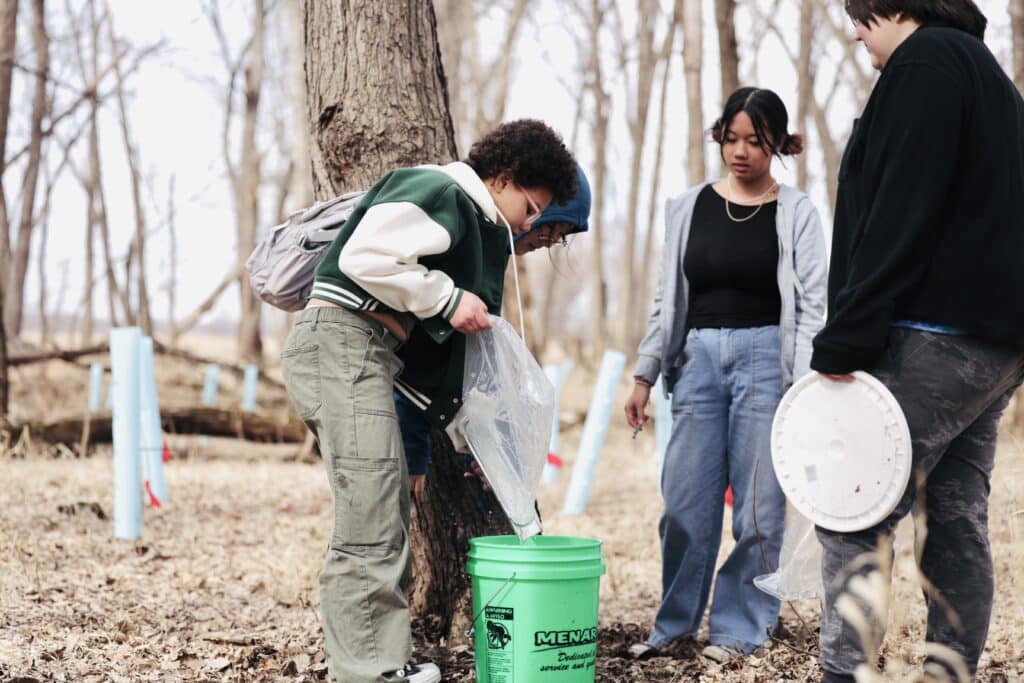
pixel 339 369
pixel 953 391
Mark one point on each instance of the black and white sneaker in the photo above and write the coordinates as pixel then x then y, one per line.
pixel 414 673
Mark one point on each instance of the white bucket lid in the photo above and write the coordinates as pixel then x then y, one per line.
pixel 841 450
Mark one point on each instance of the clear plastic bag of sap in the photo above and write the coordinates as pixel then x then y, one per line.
pixel 799 574
pixel 508 404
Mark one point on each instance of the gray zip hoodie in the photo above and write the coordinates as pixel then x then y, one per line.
pixel 803 285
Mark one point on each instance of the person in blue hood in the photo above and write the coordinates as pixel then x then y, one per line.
pixel 553 227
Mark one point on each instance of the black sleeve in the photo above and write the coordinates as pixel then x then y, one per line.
pixel 909 165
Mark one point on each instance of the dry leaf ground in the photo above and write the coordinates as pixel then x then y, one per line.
pixel 222 585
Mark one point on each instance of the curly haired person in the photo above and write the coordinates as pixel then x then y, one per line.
pixel 418 265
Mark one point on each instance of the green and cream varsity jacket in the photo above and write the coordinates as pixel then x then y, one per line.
pixel 417 241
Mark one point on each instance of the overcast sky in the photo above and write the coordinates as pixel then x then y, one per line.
pixel 176 114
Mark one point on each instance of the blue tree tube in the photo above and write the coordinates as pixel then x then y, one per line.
pixel 151 441
pixel 124 362
pixel 557 374
pixel 95 386
pixel 252 373
pixel 210 385
pixel 594 431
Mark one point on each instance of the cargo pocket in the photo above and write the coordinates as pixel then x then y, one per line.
pixel 301 369
pixel 368 513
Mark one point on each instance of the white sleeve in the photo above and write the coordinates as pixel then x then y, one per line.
pixel 382 257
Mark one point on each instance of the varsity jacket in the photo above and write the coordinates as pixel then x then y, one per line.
pixel 417 241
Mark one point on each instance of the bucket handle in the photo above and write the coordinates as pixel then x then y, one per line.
pixel 472 627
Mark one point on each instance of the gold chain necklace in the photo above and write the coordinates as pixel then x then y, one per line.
pixel 762 198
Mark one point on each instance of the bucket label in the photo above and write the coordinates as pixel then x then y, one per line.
pixel 500 666
pixel 565 650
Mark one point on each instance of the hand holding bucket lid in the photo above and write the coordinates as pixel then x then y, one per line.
pixel 841 451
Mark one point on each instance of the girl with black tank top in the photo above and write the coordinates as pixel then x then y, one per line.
pixel 748 279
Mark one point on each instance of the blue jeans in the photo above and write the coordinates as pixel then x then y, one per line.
pixel 722 409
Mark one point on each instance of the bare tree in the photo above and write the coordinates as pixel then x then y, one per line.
pixel 302 174
pixel 245 174
pixel 728 50
pixel 15 286
pixel 172 267
pixel 693 46
pixel 648 274
pixel 805 82
pixel 378 100
pixel 4 383
pixel 8 38
pixel 1017 30
pixel 648 55
pixel 601 105
pixel 143 316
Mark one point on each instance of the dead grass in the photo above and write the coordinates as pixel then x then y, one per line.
pixel 223 584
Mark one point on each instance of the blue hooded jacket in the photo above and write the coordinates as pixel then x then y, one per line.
pixel 576 211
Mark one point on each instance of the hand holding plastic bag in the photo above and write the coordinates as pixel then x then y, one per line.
pixel 507 408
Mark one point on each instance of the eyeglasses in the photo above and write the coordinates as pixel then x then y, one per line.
pixel 534 208
pixel 548 236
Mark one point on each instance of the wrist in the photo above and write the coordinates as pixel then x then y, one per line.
pixel 642 381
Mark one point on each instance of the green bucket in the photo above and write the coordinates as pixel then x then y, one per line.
pixel 535 608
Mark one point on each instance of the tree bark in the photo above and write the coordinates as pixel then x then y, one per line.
pixel 376 91
pixel 1017 31
pixel 250 342
pixel 728 50
pixel 15 288
pixel 302 174
pixel 142 312
pixel 172 268
pixel 640 94
pixel 8 40
pixel 805 83
pixel 377 100
pixel 602 113
pixel 693 46
pixel 649 270
pixel 4 384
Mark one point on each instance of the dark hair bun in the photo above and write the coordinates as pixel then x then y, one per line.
pixel 793 145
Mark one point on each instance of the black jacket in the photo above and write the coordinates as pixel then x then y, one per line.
pixel 929 222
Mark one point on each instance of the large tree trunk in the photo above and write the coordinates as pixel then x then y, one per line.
pixel 250 342
pixel 1017 31
pixel 15 288
pixel 378 100
pixel 693 46
pixel 728 51
pixel 8 39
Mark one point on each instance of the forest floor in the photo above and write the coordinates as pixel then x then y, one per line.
pixel 222 585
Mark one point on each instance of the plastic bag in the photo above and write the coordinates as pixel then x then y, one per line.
pixel 507 407
pixel 799 574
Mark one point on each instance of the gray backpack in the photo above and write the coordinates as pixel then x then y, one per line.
pixel 282 265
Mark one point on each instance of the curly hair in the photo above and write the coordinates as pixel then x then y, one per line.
pixel 768 114
pixel 531 152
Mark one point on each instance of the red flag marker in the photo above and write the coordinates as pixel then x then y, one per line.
pixel 153 500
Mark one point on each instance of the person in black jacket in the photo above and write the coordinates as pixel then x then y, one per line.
pixel 924 293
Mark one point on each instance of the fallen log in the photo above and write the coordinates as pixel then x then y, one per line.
pixel 68 355
pixel 201 420
pixel 73 355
